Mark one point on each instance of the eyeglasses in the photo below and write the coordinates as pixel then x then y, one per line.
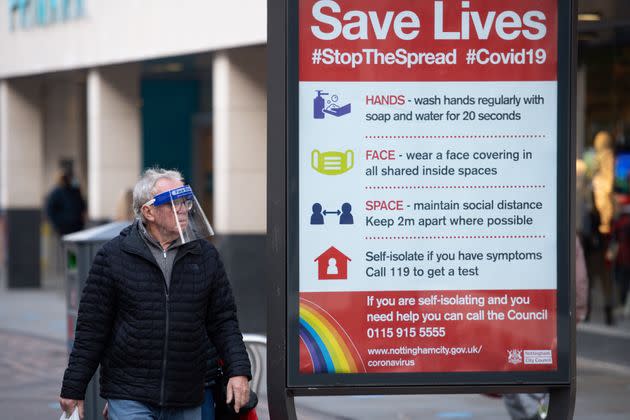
pixel 179 197
pixel 186 203
pixel 178 203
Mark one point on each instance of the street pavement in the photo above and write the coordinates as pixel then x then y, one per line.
pixel 33 356
pixel 31 369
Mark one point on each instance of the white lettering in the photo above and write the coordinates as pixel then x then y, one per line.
pixel 412 23
pixel 381 29
pixel 439 23
pixel 329 20
pixel 534 24
pixel 362 25
pixel 358 24
pixel 483 30
pixel 508 19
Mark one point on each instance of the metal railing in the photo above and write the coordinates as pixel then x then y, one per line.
pixel 256 345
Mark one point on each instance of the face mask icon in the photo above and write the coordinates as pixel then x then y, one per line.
pixel 332 163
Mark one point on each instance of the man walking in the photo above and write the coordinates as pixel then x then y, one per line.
pixel 156 297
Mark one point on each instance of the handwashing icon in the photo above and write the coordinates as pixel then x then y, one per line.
pixel 321 107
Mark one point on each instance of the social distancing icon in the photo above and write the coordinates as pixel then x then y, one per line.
pixel 344 215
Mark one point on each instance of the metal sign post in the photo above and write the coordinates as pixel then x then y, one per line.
pixel 420 190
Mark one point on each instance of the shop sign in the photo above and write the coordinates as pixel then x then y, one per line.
pixel 428 220
pixel 24 14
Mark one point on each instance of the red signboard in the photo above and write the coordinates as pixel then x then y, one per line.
pixel 400 40
pixel 428 147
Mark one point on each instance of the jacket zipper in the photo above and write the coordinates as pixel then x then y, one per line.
pixel 177 258
pixel 162 385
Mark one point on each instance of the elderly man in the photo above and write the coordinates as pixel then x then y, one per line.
pixel 156 301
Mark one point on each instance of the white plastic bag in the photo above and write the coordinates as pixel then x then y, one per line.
pixel 73 416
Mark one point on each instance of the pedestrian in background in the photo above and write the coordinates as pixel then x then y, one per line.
pixel 66 210
pixel 619 253
pixel 155 299
pixel 603 199
pixel 65 206
pixel 124 207
pixel 534 406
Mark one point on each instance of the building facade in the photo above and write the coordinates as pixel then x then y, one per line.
pixel 108 88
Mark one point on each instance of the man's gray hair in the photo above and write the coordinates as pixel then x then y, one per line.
pixel 144 190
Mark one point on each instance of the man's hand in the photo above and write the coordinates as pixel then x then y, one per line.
pixel 68 405
pixel 106 411
pixel 238 390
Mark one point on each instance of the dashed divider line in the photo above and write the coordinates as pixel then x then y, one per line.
pixel 472 136
pixel 372 238
pixel 487 137
pixel 429 187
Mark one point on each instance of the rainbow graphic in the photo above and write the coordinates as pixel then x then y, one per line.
pixel 327 343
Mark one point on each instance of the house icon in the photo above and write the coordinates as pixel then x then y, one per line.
pixel 332 265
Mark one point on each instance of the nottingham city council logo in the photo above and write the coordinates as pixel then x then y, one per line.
pixel 515 356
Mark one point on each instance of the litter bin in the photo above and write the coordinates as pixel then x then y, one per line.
pixel 80 248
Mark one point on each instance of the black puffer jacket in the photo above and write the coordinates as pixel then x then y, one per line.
pixel 154 346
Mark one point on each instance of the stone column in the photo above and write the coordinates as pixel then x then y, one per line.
pixel 21 189
pixel 239 176
pixel 114 136
pixel 65 141
pixel 240 141
pixel 64 127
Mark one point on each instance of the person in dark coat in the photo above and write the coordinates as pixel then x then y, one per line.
pixel 619 253
pixel 65 206
pixel 65 209
pixel 151 311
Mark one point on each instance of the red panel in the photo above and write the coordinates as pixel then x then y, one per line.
pixel 385 341
pixel 479 14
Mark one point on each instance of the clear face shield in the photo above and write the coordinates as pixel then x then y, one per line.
pixel 180 215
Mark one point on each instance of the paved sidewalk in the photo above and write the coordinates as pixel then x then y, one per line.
pixel 33 357
pixel 40 313
pixel 31 370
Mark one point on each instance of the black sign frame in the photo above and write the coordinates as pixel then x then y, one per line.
pixel 284 380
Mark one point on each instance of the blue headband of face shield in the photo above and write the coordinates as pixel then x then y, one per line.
pixel 171 195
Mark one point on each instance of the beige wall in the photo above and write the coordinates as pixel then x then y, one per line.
pixel 240 141
pixel 21 144
pixel 118 31
pixel 64 127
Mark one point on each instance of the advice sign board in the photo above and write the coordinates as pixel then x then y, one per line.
pixel 430 233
